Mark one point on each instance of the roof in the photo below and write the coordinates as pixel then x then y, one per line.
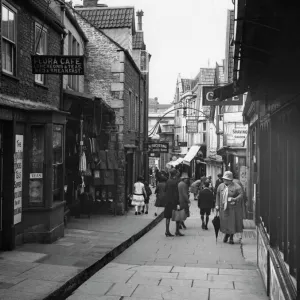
pixel 138 41
pixel 41 7
pixel 109 17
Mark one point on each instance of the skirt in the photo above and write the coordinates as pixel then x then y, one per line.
pixel 138 200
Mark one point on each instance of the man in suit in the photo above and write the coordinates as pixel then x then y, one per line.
pixel 205 203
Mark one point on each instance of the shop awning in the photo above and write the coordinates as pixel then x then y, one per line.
pixel 175 163
pixel 190 155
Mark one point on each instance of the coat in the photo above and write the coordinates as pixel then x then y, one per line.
pixel 206 199
pixel 183 190
pixel 195 186
pixel 171 196
pixel 160 194
pixel 231 218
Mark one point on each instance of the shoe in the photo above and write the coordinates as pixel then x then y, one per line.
pixel 135 213
pixel 183 225
pixel 146 213
pixel 155 214
pixel 225 238
pixel 231 242
pixel 203 226
pixel 179 233
pixel 206 227
pixel 139 213
pixel 142 211
pixel 168 234
pixel 180 226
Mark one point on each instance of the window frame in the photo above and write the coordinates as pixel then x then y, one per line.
pixel 129 109
pixel 7 40
pixel 40 78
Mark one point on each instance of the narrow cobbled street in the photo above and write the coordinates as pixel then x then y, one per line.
pixel 188 267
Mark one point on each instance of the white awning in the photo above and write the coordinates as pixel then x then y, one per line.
pixel 190 155
pixel 175 163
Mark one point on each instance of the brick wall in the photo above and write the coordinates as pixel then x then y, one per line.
pixel 23 85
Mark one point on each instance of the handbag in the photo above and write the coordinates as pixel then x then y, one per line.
pixel 178 215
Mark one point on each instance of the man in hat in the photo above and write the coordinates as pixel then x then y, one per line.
pixel 229 203
pixel 183 190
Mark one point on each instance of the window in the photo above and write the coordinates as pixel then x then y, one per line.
pixel 142 117
pixel 129 110
pixel 36 168
pixel 73 80
pixel 8 25
pixel 202 132
pixel 40 48
pixel 137 115
pixel 57 162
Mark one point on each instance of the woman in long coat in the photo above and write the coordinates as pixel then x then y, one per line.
pixel 229 202
pixel 160 194
pixel 171 198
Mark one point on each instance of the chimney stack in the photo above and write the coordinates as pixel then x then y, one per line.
pixel 140 14
pixel 90 3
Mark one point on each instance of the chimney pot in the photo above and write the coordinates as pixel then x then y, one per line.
pixel 90 3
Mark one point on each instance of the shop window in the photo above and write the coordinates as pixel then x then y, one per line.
pixel 57 149
pixel 36 168
pixel 40 48
pixel 8 25
pixel 129 110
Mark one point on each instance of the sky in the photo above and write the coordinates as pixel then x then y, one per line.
pixel 181 36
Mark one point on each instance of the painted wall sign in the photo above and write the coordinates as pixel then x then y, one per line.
pixel 158 147
pixel 18 168
pixel 57 64
pixel 36 175
pixel 207 98
pixel 235 134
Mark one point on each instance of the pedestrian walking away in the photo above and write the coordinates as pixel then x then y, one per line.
pixel 147 198
pixel 160 192
pixel 195 188
pixel 172 199
pixel 183 190
pixel 229 203
pixel 205 203
pixel 139 195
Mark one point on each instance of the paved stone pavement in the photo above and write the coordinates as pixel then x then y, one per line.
pixel 188 267
pixel 34 271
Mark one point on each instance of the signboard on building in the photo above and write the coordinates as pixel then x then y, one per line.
pixel 235 134
pixel 207 98
pixel 182 144
pixel 57 64
pixel 158 147
pixel 192 126
pixel 18 168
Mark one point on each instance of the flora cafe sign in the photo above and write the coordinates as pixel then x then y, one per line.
pixel 58 64
pixel 208 100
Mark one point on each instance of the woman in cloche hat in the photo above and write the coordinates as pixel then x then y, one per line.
pixel 229 202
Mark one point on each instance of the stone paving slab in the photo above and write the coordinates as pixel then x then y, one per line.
pixel 33 271
pixel 220 271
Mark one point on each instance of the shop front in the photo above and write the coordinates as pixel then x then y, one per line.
pixel 91 156
pixel 31 173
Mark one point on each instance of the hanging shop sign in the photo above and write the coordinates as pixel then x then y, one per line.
pixel 191 126
pixel 182 144
pixel 57 64
pixel 158 147
pixel 18 168
pixel 207 98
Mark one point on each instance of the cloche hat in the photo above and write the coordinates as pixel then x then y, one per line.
pixel 228 175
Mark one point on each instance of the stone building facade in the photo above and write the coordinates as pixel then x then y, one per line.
pixel 113 75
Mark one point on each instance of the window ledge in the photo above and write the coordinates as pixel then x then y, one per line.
pixel 41 85
pixel 10 76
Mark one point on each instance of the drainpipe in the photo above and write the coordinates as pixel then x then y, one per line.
pixel 62 43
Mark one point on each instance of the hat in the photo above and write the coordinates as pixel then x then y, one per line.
pixel 228 175
pixel 184 175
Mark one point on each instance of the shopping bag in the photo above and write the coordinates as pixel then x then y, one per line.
pixel 178 215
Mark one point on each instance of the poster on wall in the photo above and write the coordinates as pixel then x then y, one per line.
pixel 18 168
pixel 235 134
